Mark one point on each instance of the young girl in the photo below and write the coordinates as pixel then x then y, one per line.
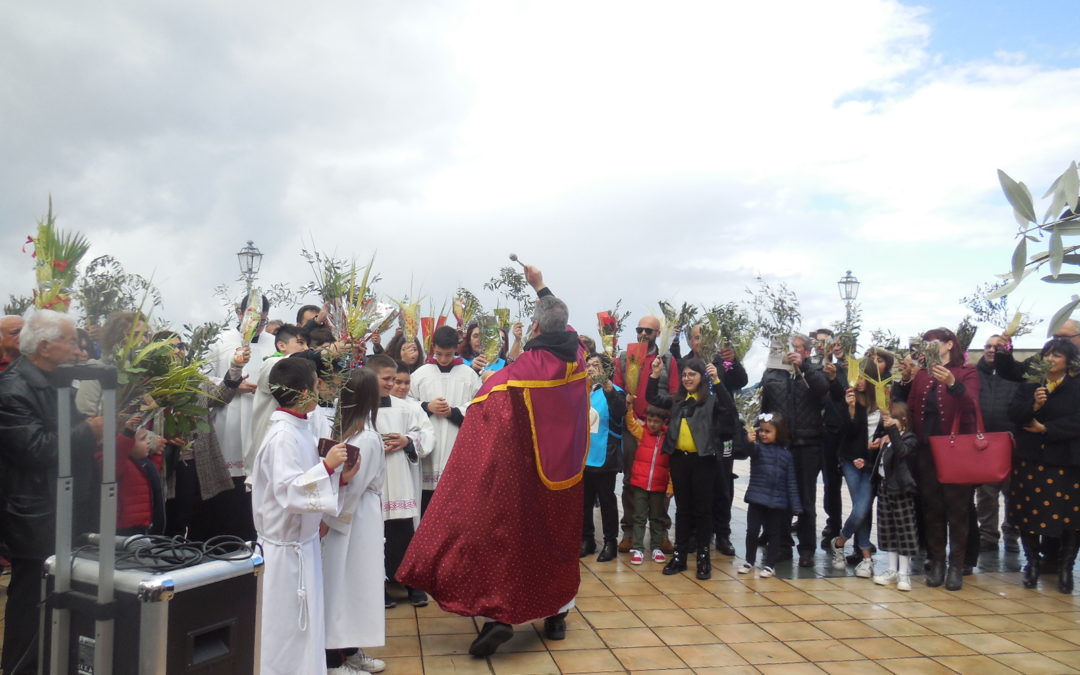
pixel 352 544
pixel 773 493
pixel 649 480
pixel 701 421
pixel 896 488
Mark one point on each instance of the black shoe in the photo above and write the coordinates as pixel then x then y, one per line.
pixel 609 552
pixel 806 559
pixel 1034 562
pixel 555 627
pixel 1070 545
pixel 704 565
pixel 676 564
pixel 783 555
pixel 417 597
pixel 493 634
pixel 588 547
pixel 390 602
pixel 969 570
pixel 724 546
pixel 954 580
pixel 935 576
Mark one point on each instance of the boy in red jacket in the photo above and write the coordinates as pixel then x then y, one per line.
pixel 649 481
pixel 140 507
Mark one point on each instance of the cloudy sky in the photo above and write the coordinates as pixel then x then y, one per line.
pixel 634 150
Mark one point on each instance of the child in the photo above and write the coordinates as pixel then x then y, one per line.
pixel 896 488
pixel 352 546
pixel 773 492
pixel 604 460
pixel 649 479
pixel 291 492
pixel 140 506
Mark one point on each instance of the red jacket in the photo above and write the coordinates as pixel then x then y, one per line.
pixel 650 468
pixel 134 495
pixel 950 404
pixel 640 403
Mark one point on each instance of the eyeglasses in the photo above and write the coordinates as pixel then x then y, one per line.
pixel 642 329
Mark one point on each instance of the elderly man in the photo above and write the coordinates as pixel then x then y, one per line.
pixel 10 326
pixel 28 462
pixel 499 536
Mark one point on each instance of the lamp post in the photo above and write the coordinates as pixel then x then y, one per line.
pixel 849 290
pixel 250 258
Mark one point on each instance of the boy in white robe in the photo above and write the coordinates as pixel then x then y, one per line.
pixel 287 342
pixel 292 490
pixel 444 389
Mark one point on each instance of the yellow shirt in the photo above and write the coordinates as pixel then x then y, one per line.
pixel 1051 386
pixel 685 441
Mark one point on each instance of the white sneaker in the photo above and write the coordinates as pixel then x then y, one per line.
pixel 364 663
pixel 636 557
pixel 658 556
pixel 766 572
pixel 865 568
pixel 903 582
pixel 745 568
pixel 838 560
pixel 886 578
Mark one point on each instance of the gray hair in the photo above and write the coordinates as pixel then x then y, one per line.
pixel 551 314
pixel 42 325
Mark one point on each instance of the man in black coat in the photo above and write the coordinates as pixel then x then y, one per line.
pixel 28 462
pixel 995 393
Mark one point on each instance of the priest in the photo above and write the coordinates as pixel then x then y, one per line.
pixel 501 535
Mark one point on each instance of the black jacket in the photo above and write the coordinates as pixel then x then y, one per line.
pixel 28 461
pixel 616 403
pixel 798 399
pixel 711 418
pixel 995 395
pixel 897 456
pixel 854 440
pixel 1060 445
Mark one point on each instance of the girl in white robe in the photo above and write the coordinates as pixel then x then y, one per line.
pixel 352 547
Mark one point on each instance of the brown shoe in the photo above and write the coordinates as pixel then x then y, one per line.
pixel 667 547
pixel 624 545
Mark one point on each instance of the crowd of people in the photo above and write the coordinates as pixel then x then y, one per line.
pixel 361 467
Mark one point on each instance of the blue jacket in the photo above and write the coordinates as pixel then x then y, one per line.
pixel 772 479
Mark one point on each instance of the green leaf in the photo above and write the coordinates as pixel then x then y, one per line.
pixel 1007 288
pixel 1070 186
pixel 1062 315
pixel 1062 279
pixel 1056 207
pixel 1019 259
pixel 1055 186
pixel 1057 254
pixel 1068 228
pixel 1071 259
pixel 1018 195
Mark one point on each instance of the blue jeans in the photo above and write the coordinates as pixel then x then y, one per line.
pixel 861 489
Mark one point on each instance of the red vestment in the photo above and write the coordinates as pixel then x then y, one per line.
pixel 500 537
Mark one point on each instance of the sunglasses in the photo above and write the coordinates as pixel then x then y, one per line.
pixel 641 330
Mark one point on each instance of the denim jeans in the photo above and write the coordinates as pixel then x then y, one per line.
pixel 861 489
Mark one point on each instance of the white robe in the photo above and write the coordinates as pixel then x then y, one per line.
pixel 458 387
pixel 353 568
pixel 231 423
pixel 263 405
pixel 291 492
pixel 401 490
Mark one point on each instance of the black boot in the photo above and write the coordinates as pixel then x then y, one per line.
pixel 954 580
pixel 724 546
pixel 588 547
pixel 555 627
pixel 1034 562
pixel 493 634
pixel 704 565
pixel 1070 543
pixel 935 576
pixel 676 564
pixel 610 550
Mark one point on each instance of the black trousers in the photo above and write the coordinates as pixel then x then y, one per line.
pixel 600 485
pixel 807 467
pixel 180 510
pixel 425 499
pixel 832 482
pixel 693 478
pixel 948 512
pixel 21 615
pixel 775 522
pixel 226 513
pixel 398 533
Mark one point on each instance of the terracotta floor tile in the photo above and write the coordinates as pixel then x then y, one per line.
pixel 576 639
pixel 696 600
pixel 847 629
pixel 640 602
pixel 867 610
pixel 635 588
pixel 988 643
pixel 523 663
pixel 740 632
pixel 824 650
pixel 916 666
pixel 820 612
pixel 1045 621
pixel 702 656
pixel 880 594
pixel 629 637
pixel 587 661
pixel 398 627
pixel 664 671
pixel 431 611
pixel 935 645
pixel 404 645
pixel 685 635
pixel 461 663
pixel 713 615
pixel 745 599
pixel 837 597
pixel 595 589
pixel 674 585
pixel 648 658
pixel 757 653
pixel 898 627
pixel 786 631
pixel 1038 641
pixel 624 619
pixel 1034 664
pixel 881 648
pixel 726 670
pixel 525 639
pixel 654 618
pixel 852 668
pixel 983 665
pixel 791 597
pixel 1047 604
pixel 444 645
pixel 405 665
pixel 948 625
pixel 1002 606
pixel 790 669
pixel 1071 658
pixel 445 625
pixel 1072 635
pixel 763 614
pixel 997 624
pixel 603 603
pixel 816 584
pixel 956 607
pixel 910 610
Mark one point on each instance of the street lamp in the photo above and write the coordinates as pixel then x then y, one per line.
pixel 848 285
pixel 250 258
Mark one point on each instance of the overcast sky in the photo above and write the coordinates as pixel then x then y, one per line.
pixel 634 150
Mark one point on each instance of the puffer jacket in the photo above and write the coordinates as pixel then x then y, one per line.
pixel 651 468
pixel 1060 445
pixel 799 399
pixel 995 395
pixel 28 463
pixel 772 478
pixel 139 499
pixel 711 418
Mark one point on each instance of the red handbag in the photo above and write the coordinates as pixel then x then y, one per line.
pixel 972 459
